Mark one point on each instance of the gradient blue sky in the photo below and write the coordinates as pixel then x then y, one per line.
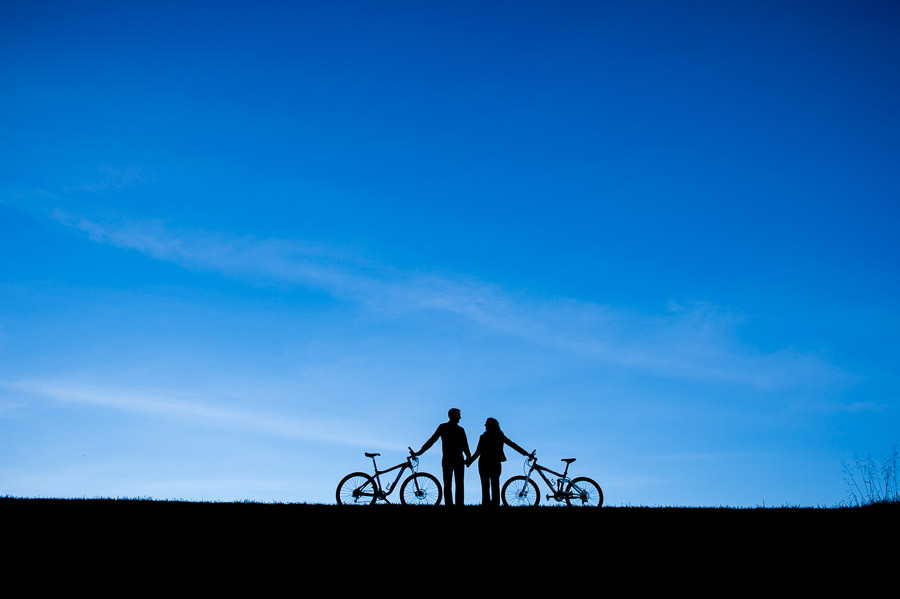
pixel 243 243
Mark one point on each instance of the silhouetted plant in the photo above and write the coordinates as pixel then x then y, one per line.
pixel 868 483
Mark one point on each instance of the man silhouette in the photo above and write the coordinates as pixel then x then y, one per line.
pixel 455 446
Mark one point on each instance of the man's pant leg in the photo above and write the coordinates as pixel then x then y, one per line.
pixel 460 471
pixel 456 471
pixel 448 484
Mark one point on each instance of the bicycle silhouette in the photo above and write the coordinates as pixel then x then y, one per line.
pixel 359 488
pixel 522 490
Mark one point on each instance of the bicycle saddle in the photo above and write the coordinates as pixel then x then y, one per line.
pixel 568 460
pixel 372 455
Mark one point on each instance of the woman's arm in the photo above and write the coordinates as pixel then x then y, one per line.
pixel 512 444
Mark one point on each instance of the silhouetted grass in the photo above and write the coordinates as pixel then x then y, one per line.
pixel 249 547
pixel 153 516
pixel 870 482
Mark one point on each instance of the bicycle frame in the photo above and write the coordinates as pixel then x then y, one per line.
pixel 382 492
pixel 361 488
pixel 580 491
pixel 561 479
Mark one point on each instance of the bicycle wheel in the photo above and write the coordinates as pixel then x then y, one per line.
pixel 520 491
pixel 421 489
pixel 584 492
pixel 356 489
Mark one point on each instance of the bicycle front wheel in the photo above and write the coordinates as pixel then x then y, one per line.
pixel 584 492
pixel 356 489
pixel 421 489
pixel 520 491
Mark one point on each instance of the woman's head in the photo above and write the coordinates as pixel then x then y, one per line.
pixel 492 425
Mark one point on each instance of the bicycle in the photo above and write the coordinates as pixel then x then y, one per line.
pixel 420 488
pixel 522 490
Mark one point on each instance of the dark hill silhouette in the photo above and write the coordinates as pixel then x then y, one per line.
pixel 234 544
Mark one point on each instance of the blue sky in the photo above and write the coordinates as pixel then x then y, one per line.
pixel 243 243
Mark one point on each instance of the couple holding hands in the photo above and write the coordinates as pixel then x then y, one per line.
pixel 489 454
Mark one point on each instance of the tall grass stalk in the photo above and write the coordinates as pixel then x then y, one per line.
pixel 870 483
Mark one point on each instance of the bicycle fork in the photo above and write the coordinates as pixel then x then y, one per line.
pixel 419 492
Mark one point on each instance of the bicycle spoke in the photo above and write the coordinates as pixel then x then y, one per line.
pixel 420 489
pixel 584 492
pixel 356 489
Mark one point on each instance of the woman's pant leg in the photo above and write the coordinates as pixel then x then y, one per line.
pixel 490 483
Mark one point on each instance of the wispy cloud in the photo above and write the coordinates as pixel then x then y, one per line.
pixel 203 411
pixel 694 341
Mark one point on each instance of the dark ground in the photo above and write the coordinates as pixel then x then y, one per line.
pixel 244 546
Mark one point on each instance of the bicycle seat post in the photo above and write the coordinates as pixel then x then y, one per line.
pixel 373 456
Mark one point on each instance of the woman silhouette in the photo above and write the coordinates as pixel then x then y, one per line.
pixel 490 456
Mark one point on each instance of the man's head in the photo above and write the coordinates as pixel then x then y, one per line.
pixel 454 414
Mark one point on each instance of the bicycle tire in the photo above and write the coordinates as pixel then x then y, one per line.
pixel 357 488
pixel 591 494
pixel 425 491
pixel 518 490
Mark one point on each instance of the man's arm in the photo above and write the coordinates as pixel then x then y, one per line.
pixel 430 442
pixel 465 443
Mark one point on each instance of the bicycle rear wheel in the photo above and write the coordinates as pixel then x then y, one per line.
pixel 584 492
pixel 520 491
pixel 357 488
pixel 421 489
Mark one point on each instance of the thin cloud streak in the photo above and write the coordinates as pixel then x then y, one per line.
pixel 687 342
pixel 198 411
